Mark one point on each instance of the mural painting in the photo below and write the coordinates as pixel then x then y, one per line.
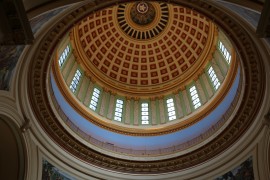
pixel 9 56
pixel 243 172
pixel 49 172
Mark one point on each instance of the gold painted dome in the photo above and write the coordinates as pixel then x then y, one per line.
pixel 144 54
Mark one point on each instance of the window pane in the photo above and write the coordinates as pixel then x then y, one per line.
pixel 118 114
pixel 93 103
pixel 75 81
pixel 119 105
pixel 218 84
pixel 225 52
pixel 72 89
pixel 144 109
pixel 92 107
pixel 171 113
pixel 194 97
pixel 144 113
pixel 119 101
pixel 197 105
pixel 117 118
pixel 193 93
pixel 96 94
pixel 63 56
pixel 192 89
pixel 144 104
pixel 118 109
pixel 145 118
pixel 170 105
pixel 145 122
pixel 96 90
pixel 171 109
pixel 94 98
pixel 196 101
pixel 214 78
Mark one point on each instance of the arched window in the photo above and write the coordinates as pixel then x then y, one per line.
pixel 94 99
pixel 75 81
pixel 224 52
pixel 213 77
pixel 145 113
pixel 63 56
pixel 171 109
pixel 118 112
pixel 195 97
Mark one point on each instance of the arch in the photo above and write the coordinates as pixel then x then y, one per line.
pixel 12 150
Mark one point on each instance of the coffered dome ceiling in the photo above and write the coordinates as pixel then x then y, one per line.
pixel 140 53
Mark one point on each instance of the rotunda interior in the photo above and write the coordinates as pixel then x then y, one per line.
pixel 140 90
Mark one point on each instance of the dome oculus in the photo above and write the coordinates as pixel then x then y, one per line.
pixel 143 20
pixel 142 13
pixel 142 7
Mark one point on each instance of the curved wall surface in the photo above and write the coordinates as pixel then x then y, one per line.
pixel 147 143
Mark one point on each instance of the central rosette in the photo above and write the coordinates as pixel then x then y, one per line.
pixel 143 20
pixel 142 13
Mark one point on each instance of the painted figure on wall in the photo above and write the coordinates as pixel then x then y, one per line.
pixel 9 56
pixel 242 172
pixel 49 172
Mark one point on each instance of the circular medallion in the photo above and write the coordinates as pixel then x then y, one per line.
pixel 142 13
pixel 143 20
pixel 142 7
